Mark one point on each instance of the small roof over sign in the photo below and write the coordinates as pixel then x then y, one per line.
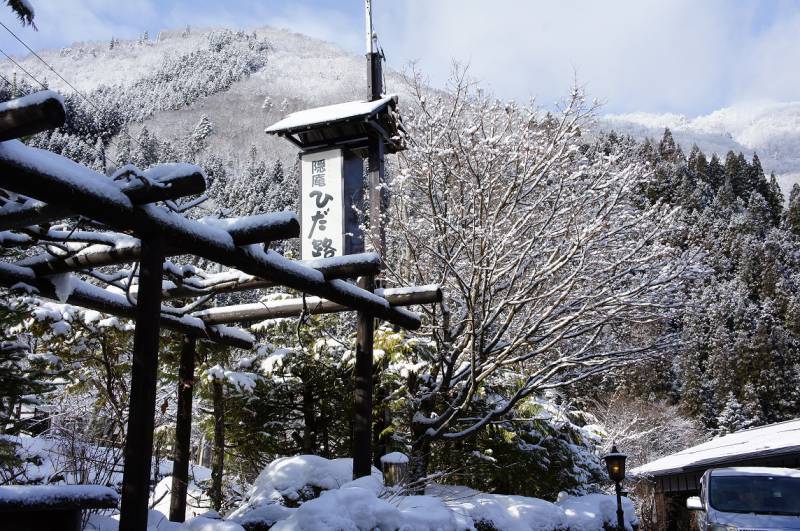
pixel 347 124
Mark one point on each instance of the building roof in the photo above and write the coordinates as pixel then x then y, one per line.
pixel 343 124
pixel 766 441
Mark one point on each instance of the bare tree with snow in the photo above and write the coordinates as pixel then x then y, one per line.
pixel 553 271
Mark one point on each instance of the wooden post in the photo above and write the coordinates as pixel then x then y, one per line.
pixel 362 377
pixel 362 391
pixel 141 417
pixel 183 431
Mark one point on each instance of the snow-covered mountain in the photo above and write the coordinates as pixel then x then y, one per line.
pixel 300 72
pixel 771 129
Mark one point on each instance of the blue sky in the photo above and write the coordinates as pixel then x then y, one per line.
pixel 685 56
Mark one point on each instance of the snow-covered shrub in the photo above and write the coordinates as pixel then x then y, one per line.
pixel 543 451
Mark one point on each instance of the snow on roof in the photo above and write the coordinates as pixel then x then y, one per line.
pixel 775 439
pixel 329 114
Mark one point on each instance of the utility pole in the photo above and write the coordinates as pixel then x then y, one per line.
pixel 363 385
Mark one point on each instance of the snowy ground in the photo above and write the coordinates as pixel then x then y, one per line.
pixel 311 493
pixel 366 504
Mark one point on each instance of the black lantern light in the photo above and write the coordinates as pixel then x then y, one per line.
pixel 615 464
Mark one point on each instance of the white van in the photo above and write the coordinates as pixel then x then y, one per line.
pixel 748 499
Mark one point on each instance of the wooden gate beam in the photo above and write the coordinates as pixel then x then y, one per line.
pixel 294 307
pixel 166 182
pixel 55 179
pixel 31 114
pixel 257 229
pixel 95 298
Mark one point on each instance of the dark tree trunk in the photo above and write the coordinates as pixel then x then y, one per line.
pixel 418 461
pixel 309 421
pixel 183 431
pixel 218 464
pixel 384 420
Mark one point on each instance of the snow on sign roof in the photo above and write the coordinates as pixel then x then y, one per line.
pixel 340 112
pixel 775 439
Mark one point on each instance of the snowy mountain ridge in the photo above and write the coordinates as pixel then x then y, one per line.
pixel 769 128
pixel 302 72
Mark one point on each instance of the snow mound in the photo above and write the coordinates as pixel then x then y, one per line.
pixel 364 504
pixel 593 511
pixel 289 481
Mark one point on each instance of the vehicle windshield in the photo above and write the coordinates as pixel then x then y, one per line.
pixel 755 494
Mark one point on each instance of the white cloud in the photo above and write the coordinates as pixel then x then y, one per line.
pixel 681 55
pixel 647 55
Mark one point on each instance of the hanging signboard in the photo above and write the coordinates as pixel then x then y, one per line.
pixel 331 195
pixel 321 190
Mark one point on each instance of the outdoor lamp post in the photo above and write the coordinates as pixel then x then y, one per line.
pixel 615 463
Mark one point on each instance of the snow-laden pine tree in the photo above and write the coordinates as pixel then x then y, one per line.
pixel 732 418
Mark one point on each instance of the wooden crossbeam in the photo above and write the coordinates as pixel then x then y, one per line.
pixel 55 179
pixel 257 229
pixel 261 311
pixel 93 297
pixel 354 266
pixel 167 182
pixel 31 114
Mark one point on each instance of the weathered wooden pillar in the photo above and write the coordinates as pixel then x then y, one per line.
pixel 183 431
pixel 362 377
pixel 362 391
pixel 141 417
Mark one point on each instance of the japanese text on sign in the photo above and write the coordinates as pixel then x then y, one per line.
pixel 321 205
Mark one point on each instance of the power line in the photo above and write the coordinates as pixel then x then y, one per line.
pixel 81 94
pixel 22 68
pixel 90 102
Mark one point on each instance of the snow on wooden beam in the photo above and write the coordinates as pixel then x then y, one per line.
pixel 72 290
pixel 55 179
pixel 163 182
pixel 92 256
pixel 262 311
pixel 259 228
pixel 31 114
pixel 351 266
pixel 244 231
